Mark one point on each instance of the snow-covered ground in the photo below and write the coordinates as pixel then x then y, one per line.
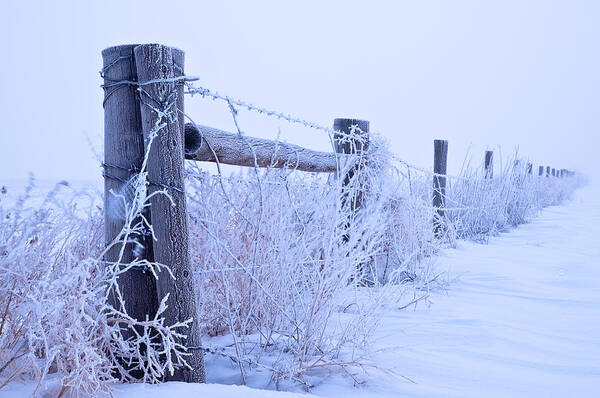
pixel 522 319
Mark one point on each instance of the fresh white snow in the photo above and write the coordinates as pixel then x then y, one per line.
pixel 521 319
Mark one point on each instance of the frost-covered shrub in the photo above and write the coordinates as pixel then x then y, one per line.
pixel 284 266
pixel 480 207
pixel 275 254
pixel 54 316
pixel 276 258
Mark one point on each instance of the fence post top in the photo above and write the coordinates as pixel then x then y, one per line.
pixel 158 45
pixel 118 49
pixel 343 124
pixel 131 47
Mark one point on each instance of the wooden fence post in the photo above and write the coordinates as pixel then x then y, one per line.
pixel 440 163
pixel 154 63
pixel 529 168
pixel 353 145
pixel 349 145
pixel 489 164
pixel 123 155
pixel 541 171
pixel 553 172
pixel 547 171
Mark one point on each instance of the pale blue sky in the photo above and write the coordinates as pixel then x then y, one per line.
pixel 478 73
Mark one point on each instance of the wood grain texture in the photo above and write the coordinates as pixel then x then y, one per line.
pixel 124 147
pixel 169 216
pixel 208 144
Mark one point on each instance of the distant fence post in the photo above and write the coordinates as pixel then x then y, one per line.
pixel 547 171
pixel 541 171
pixel 529 168
pixel 553 172
pixel 154 63
pixel 123 155
pixel 440 163
pixel 489 164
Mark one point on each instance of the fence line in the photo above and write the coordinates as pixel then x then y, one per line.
pixel 144 98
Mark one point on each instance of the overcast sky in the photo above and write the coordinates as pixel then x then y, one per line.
pixel 481 74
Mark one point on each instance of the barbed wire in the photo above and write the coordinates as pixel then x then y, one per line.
pixel 205 92
pixel 215 95
pixel 133 170
pixel 230 101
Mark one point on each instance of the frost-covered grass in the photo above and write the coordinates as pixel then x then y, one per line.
pixel 277 261
pixel 290 271
pixel 54 314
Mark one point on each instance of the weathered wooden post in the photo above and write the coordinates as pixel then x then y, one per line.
pixel 529 168
pixel 541 171
pixel 123 156
pixel 489 164
pixel 352 144
pixel 553 172
pixel 547 171
pixel 440 163
pixel 158 67
pixel 351 137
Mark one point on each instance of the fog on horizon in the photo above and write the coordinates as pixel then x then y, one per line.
pixel 483 75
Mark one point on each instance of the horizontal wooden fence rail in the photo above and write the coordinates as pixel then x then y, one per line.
pixel 209 144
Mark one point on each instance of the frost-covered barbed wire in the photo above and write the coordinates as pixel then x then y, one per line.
pixel 215 95
pixel 204 92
